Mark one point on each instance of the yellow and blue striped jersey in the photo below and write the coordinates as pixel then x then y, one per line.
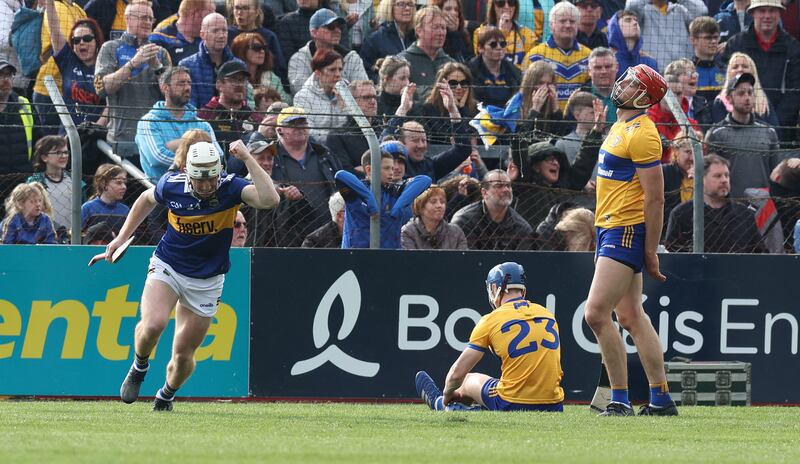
pixel 630 144
pixel 525 337
pixel 571 66
pixel 199 232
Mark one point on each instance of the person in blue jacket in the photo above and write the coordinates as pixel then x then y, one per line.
pixel 27 221
pixel 625 37
pixel 360 204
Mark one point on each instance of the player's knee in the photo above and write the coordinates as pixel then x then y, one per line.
pixel 183 358
pixel 628 321
pixel 152 326
pixel 595 318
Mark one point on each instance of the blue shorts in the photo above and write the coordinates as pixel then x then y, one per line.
pixel 624 244
pixel 493 402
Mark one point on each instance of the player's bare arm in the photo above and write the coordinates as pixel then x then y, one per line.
pixel 652 180
pixel 262 194
pixel 141 208
pixel 458 371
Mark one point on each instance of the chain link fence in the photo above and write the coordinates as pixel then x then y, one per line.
pixel 759 214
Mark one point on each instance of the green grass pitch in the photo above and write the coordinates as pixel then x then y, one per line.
pixel 214 432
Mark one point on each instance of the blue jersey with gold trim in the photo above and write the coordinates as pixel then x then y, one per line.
pixel 571 66
pixel 199 232
pixel 630 144
pixel 525 337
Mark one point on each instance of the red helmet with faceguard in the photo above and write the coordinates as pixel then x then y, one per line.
pixel 646 81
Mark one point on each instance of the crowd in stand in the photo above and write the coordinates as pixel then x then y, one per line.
pixel 436 80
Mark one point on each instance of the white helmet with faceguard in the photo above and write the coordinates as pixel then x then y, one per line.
pixel 203 161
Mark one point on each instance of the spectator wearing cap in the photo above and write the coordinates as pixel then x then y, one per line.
pixel 588 32
pixel 126 74
pixel 261 222
pixel 562 51
pixel 228 113
pixel 325 28
pixel 747 143
pixel 777 58
pixel 268 124
pixel 625 38
pixel 603 68
pixel 729 227
pixel 304 172
pixel 496 79
pixel 293 28
pixel 182 37
pixel 428 229
pixel 159 132
pixel 733 19
pixel 99 234
pixel 665 26
pixel 426 55
pixel 17 131
pixel 319 97
pixel 348 142
pixel 492 223
pixel 247 16
pixel 551 179
pixel 360 203
pixel 329 235
pixel 213 53
pixel 395 33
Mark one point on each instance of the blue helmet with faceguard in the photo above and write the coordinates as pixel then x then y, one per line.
pixel 504 277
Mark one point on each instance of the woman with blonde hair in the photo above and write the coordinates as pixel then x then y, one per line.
pixel 740 63
pixel 27 219
pixel 188 139
pixel 395 33
pixel 247 16
pixel 577 229
pixel 428 230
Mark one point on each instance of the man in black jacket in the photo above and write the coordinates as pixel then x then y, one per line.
pixel 729 227
pixel 304 173
pixel 777 58
pixel 348 143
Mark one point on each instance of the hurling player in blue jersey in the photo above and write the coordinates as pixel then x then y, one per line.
pixel 524 336
pixel 189 264
pixel 629 219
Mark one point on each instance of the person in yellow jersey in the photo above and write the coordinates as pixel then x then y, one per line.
pixel 629 219
pixel 524 336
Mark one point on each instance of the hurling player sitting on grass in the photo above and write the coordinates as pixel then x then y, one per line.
pixel 524 336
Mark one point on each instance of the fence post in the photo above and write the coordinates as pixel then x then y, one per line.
pixel 76 154
pixel 697 197
pixel 375 157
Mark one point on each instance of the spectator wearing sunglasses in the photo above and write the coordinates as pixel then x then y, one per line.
pixel 239 231
pixel 326 31
pixel 395 33
pixel 588 32
pixel 504 15
pixel 456 78
pixel 68 14
pixel 75 60
pixel 247 16
pixel 253 50
pixel 496 79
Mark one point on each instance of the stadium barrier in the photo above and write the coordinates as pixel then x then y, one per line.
pixel 359 324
